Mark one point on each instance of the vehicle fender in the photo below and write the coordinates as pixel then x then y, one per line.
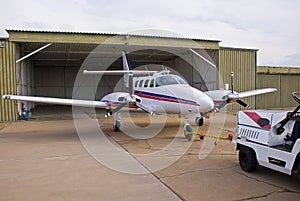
pixel 296 147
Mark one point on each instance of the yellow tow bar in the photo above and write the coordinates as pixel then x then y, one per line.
pixel 188 136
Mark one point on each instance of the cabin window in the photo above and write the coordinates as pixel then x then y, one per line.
pixel 136 83
pixel 152 83
pixel 146 83
pixel 141 83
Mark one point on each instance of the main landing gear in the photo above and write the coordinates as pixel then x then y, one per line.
pixel 117 122
pixel 199 121
pixel 188 130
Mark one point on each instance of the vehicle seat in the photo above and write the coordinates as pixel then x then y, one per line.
pixel 296 131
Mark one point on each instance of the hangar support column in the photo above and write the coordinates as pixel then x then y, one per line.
pixel 24 79
pixel 8 109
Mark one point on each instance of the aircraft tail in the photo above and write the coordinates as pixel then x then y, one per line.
pixel 126 65
pixel 128 75
pixel 127 72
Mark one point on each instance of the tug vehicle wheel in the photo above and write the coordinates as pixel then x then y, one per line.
pixel 247 159
pixel 298 173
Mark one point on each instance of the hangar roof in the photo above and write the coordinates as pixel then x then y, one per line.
pixel 278 70
pixel 70 49
pixel 97 38
pixel 112 34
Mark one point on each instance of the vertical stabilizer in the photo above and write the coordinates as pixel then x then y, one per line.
pixel 126 66
pixel 128 76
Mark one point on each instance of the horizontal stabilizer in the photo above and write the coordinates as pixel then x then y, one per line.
pixel 58 101
pixel 251 93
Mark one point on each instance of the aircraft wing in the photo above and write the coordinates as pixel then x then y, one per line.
pixel 251 93
pixel 59 101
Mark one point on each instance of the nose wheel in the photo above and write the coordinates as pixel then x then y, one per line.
pixel 188 132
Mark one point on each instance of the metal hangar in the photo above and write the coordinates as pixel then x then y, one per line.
pixel 44 63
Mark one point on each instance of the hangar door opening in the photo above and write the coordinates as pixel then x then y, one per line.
pixel 52 71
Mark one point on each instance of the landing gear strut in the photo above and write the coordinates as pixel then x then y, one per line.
pixel 117 122
pixel 188 132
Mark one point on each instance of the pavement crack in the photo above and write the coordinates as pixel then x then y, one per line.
pixel 193 171
pixel 150 146
pixel 259 196
pixel 265 182
pixel 151 173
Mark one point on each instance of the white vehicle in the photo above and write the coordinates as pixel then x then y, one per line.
pixel 270 138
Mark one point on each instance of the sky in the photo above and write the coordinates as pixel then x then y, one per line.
pixel 271 26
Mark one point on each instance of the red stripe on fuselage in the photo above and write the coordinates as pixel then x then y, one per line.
pixel 166 99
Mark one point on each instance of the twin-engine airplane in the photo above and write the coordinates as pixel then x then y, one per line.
pixel 155 93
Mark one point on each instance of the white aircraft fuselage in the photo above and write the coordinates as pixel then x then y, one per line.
pixel 165 93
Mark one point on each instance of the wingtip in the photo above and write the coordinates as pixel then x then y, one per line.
pixel 5 96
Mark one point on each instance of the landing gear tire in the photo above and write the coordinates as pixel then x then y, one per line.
pixel 116 128
pixel 187 130
pixel 117 124
pixel 199 121
pixel 247 159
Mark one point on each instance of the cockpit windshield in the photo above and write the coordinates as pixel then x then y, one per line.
pixel 169 80
pixel 180 80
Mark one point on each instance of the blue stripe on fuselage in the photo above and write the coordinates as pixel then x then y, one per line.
pixel 161 97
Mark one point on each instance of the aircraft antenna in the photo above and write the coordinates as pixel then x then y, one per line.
pixel 147 71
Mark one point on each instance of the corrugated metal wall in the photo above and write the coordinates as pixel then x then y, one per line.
pixel 285 84
pixel 243 63
pixel 271 100
pixel 8 109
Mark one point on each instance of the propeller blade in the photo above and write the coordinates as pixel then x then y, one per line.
pixel 218 108
pixel 242 103
pixel 133 100
pixel 232 81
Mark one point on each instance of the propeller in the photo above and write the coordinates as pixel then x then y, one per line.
pixel 232 81
pixel 233 95
pixel 112 111
pixel 239 101
pixel 242 103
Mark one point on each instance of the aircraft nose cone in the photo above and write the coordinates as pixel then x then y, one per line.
pixel 207 103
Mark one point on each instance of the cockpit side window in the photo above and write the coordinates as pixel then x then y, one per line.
pixel 152 83
pixel 136 83
pixel 180 80
pixel 165 80
pixel 141 83
pixel 146 83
